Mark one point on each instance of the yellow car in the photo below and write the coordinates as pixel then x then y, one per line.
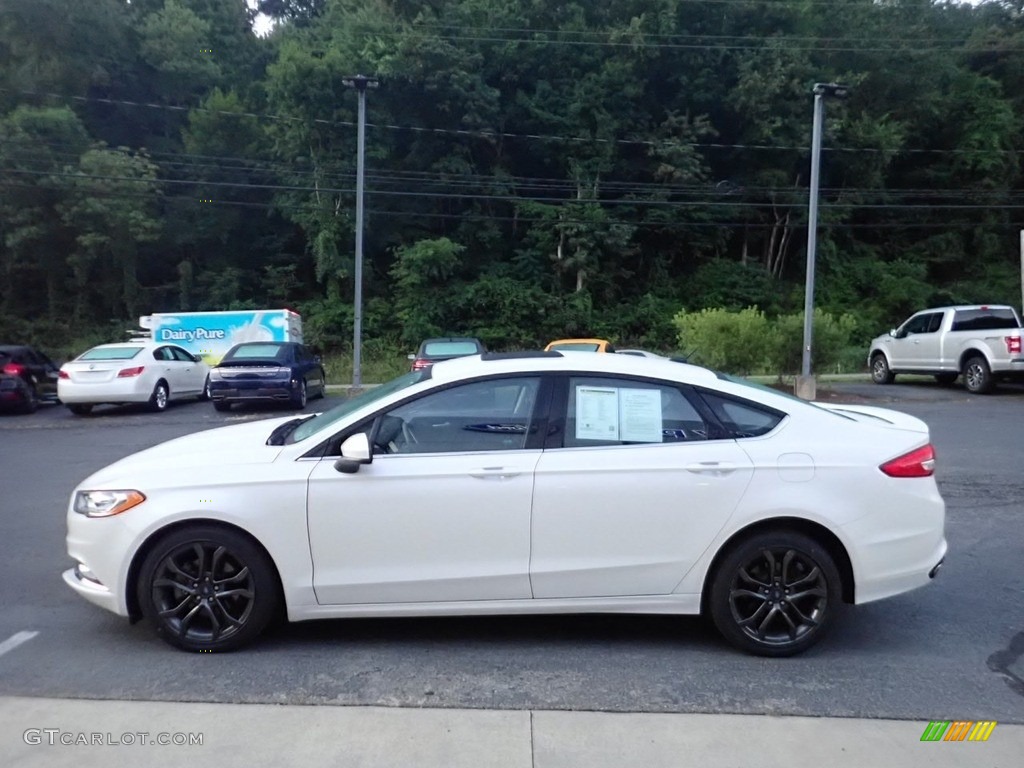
pixel 580 345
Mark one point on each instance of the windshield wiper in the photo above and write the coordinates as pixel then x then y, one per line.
pixel 281 431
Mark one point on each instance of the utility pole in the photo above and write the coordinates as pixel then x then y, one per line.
pixel 360 83
pixel 805 384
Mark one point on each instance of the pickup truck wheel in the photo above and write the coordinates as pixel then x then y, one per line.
pixel 978 376
pixel 945 379
pixel 880 373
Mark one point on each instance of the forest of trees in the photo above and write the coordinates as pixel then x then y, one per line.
pixel 535 169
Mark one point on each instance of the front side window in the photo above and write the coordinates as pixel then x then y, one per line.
pixel 612 411
pixel 918 324
pixel 490 415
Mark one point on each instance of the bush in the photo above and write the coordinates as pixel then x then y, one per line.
pixel 747 342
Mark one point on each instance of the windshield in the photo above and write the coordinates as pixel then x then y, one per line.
pixel 353 404
pixel 577 346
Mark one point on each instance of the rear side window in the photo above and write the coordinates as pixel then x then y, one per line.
pixel 742 417
pixel 612 411
pixel 984 319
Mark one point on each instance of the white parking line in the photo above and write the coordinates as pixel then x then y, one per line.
pixel 14 641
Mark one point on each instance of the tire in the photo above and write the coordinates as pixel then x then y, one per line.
pixel 158 400
pixel 880 373
pixel 978 376
pixel 221 405
pixel 32 401
pixel 322 391
pixel 80 409
pixel 300 398
pixel 752 602
pixel 208 588
pixel 946 379
pixel 206 390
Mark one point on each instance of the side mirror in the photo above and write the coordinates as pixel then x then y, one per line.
pixel 892 331
pixel 410 357
pixel 355 452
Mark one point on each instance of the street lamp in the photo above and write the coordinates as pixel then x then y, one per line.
pixel 805 384
pixel 360 83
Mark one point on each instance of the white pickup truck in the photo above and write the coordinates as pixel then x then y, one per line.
pixel 983 342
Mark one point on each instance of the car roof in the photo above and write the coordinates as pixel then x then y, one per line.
pixel 452 338
pixel 967 306
pixel 579 341
pixel 583 362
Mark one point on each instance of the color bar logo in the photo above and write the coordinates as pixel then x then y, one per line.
pixel 958 730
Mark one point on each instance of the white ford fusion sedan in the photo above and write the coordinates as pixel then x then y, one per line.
pixel 540 482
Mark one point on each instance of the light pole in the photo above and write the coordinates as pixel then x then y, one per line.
pixel 805 384
pixel 360 83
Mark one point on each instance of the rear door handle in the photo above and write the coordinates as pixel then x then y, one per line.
pixel 717 468
pixel 498 473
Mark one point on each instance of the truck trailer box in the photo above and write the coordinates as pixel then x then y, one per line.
pixel 211 334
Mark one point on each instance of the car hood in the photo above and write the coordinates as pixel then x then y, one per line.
pixel 221 447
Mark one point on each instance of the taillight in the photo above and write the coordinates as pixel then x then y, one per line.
pixel 918 463
pixel 62 374
pixel 127 373
pixel 418 365
pixel 1012 344
pixel 14 369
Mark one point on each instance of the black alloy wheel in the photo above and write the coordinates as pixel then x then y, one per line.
pixel 775 594
pixel 208 589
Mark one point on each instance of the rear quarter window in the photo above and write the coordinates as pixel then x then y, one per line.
pixel 742 417
pixel 984 320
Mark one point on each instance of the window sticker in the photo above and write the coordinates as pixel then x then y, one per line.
pixel 640 415
pixel 597 413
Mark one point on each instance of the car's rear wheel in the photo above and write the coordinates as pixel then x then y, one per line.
pixel 978 376
pixel 208 588
pixel 158 400
pixel 206 389
pixel 80 409
pixel 945 379
pixel 31 403
pixel 300 398
pixel 775 593
pixel 880 373
pixel 322 389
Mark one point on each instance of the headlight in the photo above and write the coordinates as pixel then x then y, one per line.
pixel 106 503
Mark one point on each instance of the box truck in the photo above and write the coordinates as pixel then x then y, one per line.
pixel 211 334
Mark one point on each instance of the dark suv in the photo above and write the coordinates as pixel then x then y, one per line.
pixel 36 371
pixel 435 350
pixel 267 370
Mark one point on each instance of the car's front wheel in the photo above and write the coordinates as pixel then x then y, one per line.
pixel 775 593
pixel 880 372
pixel 208 588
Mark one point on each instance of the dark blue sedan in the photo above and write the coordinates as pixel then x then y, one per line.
pixel 261 371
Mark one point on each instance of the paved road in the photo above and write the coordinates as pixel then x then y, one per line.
pixel 952 650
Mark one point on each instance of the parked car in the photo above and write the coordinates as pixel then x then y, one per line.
pixel 982 342
pixel 16 396
pixel 520 483
pixel 580 345
pixel 435 350
pixel 267 371
pixel 138 371
pixel 36 370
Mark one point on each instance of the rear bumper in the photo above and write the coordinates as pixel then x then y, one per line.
pixel 236 392
pixel 126 390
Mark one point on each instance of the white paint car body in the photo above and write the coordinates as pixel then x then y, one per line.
pixel 130 372
pixel 639 527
